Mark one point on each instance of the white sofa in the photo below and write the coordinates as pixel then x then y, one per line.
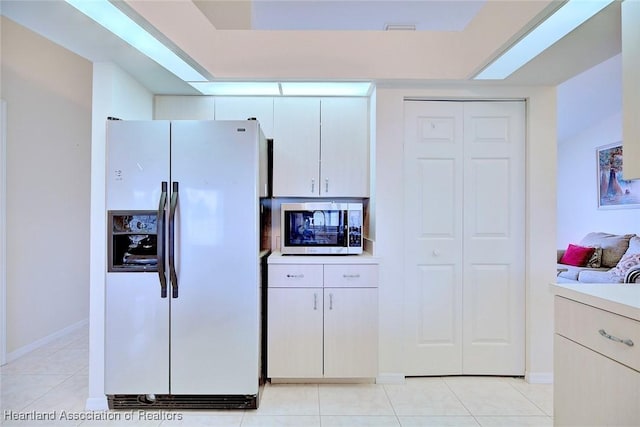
pixel 619 260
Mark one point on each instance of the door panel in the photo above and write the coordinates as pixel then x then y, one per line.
pixel 137 318
pixel 295 333
pixel 493 258
pixel 136 335
pixel 350 341
pixel 137 162
pixel 344 148
pixel 214 321
pixel 296 147
pixel 464 241
pixel 433 239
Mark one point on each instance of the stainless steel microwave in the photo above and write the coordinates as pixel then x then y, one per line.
pixel 321 228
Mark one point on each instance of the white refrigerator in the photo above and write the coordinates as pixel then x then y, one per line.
pixel 183 286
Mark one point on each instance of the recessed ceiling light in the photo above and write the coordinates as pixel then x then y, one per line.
pixel 325 88
pixel 283 88
pixel 238 88
pixel 562 22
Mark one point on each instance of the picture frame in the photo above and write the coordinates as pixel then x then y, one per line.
pixel 614 192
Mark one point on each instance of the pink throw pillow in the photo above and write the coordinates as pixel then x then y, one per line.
pixel 576 255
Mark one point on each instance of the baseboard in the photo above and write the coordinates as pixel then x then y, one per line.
pixel 539 377
pixel 45 340
pixel 97 404
pixel 390 378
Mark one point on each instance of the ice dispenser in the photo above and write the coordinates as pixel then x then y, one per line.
pixel 133 241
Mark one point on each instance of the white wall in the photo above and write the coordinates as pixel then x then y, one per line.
pixel 115 94
pixel 578 212
pixel 48 94
pixel 540 220
pixel 589 116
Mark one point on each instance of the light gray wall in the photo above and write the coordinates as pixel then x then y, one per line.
pixel 589 116
pixel 578 212
pixel 48 95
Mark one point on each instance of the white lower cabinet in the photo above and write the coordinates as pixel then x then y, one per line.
pixel 294 332
pixel 350 332
pixel 596 366
pixel 320 331
pixel 591 389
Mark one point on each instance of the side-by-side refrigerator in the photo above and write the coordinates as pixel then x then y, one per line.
pixel 183 286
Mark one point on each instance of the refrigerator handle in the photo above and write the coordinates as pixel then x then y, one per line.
pixel 172 223
pixel 160 225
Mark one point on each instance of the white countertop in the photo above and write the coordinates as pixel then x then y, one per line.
pixel 623 299
pixel 279 258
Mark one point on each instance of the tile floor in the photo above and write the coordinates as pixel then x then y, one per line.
pixel 53 380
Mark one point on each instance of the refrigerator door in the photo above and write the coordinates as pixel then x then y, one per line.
pixel 137 317
pixel 214 319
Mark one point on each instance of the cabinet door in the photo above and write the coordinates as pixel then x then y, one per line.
pixel 244 107
pixel 296 147
pixel 344 143
pixel 590 389
pixel 172 107
pixel 294 333
pixel 350 332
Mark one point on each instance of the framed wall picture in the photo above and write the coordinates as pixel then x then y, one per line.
pixel 614 191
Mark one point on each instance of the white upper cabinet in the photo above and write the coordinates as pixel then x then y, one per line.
pixel 321 147
pixel 344 147
pixel 173 107
pixel 244 107
pixel 296 147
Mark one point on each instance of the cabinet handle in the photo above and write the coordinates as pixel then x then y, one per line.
pixel 315 301
pixel 313 185
pixel 616 339
pixel 351 276
pixel 295 276
pixel 326 185
pixel 330 301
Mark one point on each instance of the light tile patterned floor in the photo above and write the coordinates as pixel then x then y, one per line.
pixel 53 380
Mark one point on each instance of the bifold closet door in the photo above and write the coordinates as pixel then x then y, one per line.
pixel 464 238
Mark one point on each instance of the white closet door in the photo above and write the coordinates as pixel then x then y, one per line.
pixel 464 239
pixel 433 237
pixel 494 198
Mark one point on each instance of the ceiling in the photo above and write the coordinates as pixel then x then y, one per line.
pixel 328 40
pixel 327 15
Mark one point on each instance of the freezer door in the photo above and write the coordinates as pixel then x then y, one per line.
pixel 137 162
pixel 137 317
pixel 214 319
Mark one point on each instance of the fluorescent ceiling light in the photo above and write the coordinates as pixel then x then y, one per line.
pixel 562 22
pixel 114 20
pixel 238 88
pixel 325 88
pixel 283 88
